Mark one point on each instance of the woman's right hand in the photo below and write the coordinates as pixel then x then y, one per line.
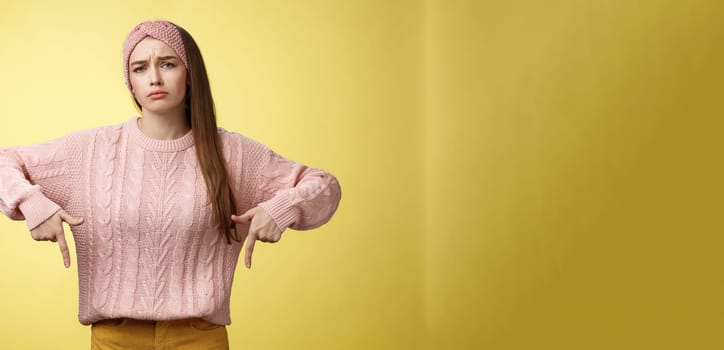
pixel 52 230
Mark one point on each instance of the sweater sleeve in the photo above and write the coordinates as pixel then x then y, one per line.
pixel 32 181
pixel 294 194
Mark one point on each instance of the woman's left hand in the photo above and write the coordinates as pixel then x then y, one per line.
pixel 262 228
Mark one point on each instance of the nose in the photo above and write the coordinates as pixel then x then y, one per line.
pixel 156 77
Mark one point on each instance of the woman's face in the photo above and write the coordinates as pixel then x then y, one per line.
pixel 155 67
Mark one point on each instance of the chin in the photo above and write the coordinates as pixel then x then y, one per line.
pixel 162 107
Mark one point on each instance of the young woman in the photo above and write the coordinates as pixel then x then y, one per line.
pixel 161 204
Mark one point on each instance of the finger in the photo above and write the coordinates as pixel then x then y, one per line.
pixel 64 249
pixel 73 221
pixel 266 238
pixel 249 214
pixel 250 241
pixel 237 219
pixel 240 219
pixel 244 236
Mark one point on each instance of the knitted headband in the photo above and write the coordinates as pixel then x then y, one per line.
pixel 161 30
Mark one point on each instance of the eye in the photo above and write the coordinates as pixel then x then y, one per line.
pixel 170 65
pixel 136 70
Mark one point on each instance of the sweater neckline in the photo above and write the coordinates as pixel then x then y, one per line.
pixel 157 145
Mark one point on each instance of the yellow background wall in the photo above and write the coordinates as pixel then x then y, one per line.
pixel 573 166
pixel 515 174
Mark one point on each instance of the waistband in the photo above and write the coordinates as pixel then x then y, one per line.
pixel 183 321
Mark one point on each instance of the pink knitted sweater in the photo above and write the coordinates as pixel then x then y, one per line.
pixel 148 248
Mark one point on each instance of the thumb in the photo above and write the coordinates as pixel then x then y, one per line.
pixel 73 221
pixel 243 218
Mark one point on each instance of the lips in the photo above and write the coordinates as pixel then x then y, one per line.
pixel 157 94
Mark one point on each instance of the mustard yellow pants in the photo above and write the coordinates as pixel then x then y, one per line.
pixel 186 334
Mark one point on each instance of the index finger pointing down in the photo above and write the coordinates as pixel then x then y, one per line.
pixel 64 249
pixel 250 240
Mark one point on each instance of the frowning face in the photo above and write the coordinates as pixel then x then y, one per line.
pixel 158 77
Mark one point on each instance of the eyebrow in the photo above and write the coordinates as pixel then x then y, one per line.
pixel 162 58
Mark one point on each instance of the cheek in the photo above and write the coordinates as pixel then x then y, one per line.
pixel 134 83
pixel 180 83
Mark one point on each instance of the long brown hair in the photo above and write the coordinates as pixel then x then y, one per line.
pixel 201 116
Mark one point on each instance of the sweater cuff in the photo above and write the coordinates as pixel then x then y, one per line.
pixel 281 210
pixel 37 208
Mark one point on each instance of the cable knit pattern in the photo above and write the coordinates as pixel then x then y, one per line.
pixel 45 164
pixel 104 230
pixel 185 220
pixel 117 224
pixel 149 247
pixel 132 232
